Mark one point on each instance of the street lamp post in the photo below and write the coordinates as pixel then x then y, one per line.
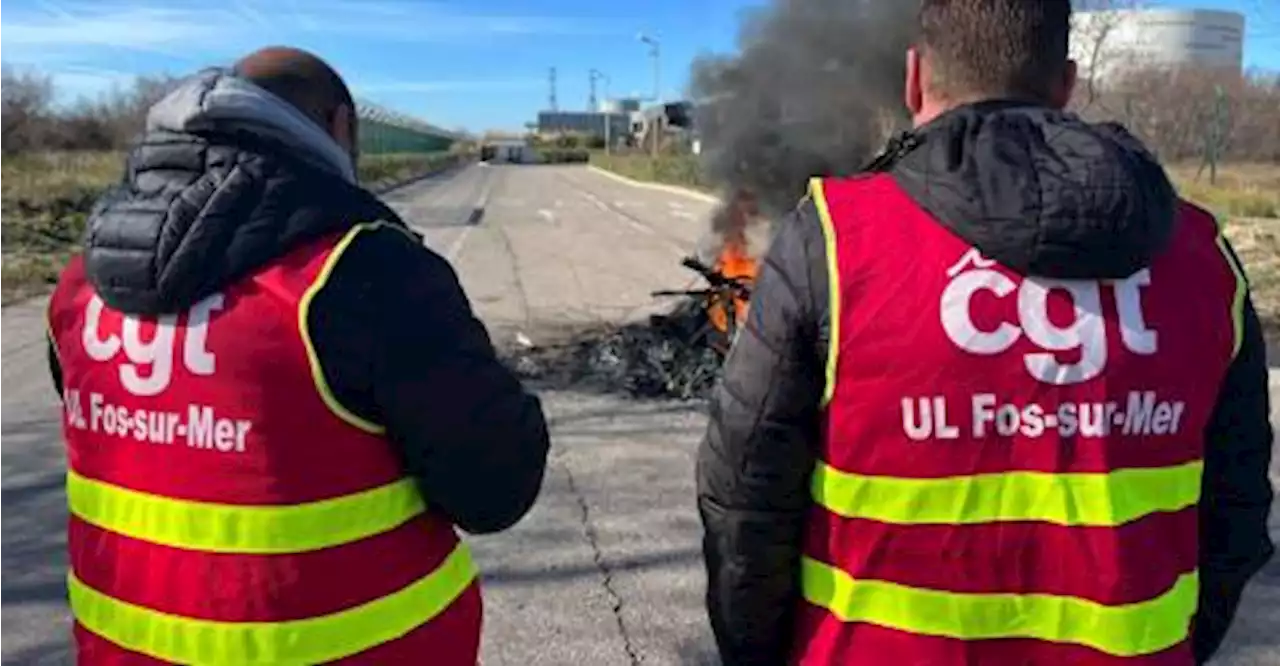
pixel 606 115
pixel 654 54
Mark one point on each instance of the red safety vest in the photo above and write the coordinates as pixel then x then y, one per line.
pixel 225 509
pixel 1006 478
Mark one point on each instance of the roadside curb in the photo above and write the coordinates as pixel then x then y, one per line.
pixel 388 188
pixel 661 187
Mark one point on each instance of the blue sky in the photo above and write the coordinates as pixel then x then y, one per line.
pixel 470 64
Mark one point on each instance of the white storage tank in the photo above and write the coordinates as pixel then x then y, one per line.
pixel 1105 42
pixel 609 106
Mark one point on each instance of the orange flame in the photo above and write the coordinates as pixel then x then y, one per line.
pixel 735 261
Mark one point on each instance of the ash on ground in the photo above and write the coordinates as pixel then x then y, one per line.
pixel 668 356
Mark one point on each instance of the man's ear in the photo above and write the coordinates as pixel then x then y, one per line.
pixel 1064 87
pixel 343 129
pixel 913 90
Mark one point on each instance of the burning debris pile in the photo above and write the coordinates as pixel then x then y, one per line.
pixel 815 90
pixel 673 355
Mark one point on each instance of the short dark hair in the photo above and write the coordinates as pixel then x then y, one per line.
pixel 300 78
pixel 995 48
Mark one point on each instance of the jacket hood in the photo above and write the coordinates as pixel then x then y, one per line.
pixel 226 178
pixel 1041 191
pixel 215 101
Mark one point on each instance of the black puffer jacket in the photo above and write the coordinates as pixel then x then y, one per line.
pixel 994 174
pixel 230 177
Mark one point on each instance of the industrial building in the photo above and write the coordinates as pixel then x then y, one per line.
pixel 621 105
pixel 584 122
pixel 1104 42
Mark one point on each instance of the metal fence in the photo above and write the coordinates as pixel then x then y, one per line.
pixel 385 131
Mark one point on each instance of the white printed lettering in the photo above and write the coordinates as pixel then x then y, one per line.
pixel 74 410
pixel 156 354
pixel 150 365
pixel 206 431
pixel 147 370
pixel 195 355
pixel 202 426
pixel 1133 326
pixel 955 313
pixel 97 347
pixel 926 418
pixel 1141 413
pixel 1085 335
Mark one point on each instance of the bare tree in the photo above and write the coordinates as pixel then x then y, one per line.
pixel 107 122
pixel 25 113
pixel 1094 45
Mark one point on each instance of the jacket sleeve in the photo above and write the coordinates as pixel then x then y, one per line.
pixel 755 463
pixel 399 343
pixel 55 367
pixel 1236 493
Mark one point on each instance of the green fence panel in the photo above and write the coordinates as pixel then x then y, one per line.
pixel 382 131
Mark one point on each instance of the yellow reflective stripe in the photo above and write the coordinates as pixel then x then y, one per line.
pixel 304 310
pixel 1124 630
pixel 230 528
pixel 314 640
pixel 1238 298
pixel 818 192
pixel 1098 499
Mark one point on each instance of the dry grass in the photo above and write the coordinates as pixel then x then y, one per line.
pixel 46 198
pixel 1247 197
pixel 1241 190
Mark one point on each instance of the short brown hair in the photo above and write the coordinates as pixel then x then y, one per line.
pixel 995 48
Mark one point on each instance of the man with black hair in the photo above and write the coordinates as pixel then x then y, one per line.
pixel 279 404
pixel 1002 399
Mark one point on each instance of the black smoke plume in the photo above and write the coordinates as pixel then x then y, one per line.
pixel 815 89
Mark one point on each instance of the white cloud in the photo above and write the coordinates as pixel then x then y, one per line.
pixel 138 28
pixel 196 29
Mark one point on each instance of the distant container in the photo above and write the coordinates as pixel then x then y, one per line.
pixel 628 104
pixel 1106 43
pixel 585 122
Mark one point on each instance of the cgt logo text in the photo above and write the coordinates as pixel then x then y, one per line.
pixel 157 355
pixel 1086 334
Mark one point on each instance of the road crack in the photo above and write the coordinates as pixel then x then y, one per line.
pixel 602 566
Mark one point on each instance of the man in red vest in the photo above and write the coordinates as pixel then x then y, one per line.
pixel 278 403
pixel 1000 400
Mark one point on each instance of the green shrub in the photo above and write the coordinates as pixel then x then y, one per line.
pixel 557 156
pixel 680 170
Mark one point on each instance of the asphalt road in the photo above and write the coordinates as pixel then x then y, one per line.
pixel 605 570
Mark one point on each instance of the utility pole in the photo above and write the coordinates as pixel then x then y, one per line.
pixel 551 80
pixel 656 125
pixel 607 116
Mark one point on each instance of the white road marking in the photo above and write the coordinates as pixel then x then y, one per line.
pixel 655 186
pixel 683 214
pixel 642 228
pixel 546 215
pixel 456 245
